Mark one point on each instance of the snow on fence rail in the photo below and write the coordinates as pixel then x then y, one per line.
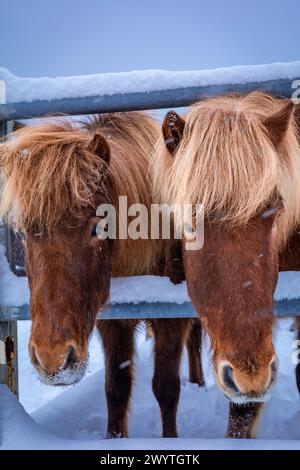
pixel 127 91
pixel 25 98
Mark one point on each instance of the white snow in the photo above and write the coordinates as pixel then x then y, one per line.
pixel 75 417
pixel 14 290
pixel 20 89
pixel 148 289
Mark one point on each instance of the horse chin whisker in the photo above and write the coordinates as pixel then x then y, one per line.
pixel 245 400
pixel 65 376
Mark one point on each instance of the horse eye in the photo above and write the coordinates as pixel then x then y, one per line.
pixel 94 231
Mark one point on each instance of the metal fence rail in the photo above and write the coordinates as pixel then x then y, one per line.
pixel 147 310
pixel 159 99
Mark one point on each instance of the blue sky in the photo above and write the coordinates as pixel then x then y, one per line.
pixel 69 37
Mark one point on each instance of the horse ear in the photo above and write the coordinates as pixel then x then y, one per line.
pixel 100 147
pixel 278 123
pixel 172 129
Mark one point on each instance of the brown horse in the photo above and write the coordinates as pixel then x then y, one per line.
pixel 239 156
pixel 55 176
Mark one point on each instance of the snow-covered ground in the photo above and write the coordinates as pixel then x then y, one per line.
pixel 18 89
pixel 75 417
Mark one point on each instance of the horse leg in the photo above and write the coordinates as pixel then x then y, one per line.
pixel 118 343
pixel 243 420
pixel 194 346
pixel 170 336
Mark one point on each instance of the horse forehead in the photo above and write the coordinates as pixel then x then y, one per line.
pixel 43 243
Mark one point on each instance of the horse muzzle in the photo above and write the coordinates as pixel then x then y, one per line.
pixel 241 387
pixel 59 365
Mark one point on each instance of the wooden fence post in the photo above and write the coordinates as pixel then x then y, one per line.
pixel 8 329
pixel 9 355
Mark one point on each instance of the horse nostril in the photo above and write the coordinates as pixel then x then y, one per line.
pixel 228 379
pixel 274 368
pixel 71 358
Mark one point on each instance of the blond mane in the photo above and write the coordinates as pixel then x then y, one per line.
pixel 227 162
pixel 49 172
pixel 131 137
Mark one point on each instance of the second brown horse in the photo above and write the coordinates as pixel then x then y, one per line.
pixel 240 157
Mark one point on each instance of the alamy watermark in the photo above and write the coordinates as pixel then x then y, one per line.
pixel 161 221
pixel 296 94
